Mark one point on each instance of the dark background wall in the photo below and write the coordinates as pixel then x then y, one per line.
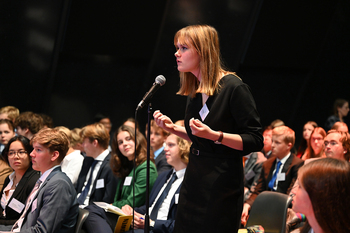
pixel 72 59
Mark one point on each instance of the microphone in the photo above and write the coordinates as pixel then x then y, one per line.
pixel 160 81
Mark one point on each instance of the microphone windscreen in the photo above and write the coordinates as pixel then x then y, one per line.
pixel 160 79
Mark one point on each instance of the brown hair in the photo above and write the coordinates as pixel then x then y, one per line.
pixel 97 132
pixel 156 128
pixel 309 150
pixel 337 125
pixel 303 143
pixel 327 183
pixel 344 140
pixel 54 140
pixel 338 103
pixel 120 165
pixel 76 138
pixel 287 133
pixel 9 123
pixel 29 120
pixel 205 41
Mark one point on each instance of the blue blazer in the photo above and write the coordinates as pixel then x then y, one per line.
pixel 56 206
pixel 163 226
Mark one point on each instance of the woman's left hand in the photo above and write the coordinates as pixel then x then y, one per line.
pixel 200 129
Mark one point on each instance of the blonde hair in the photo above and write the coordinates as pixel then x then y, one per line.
pixel 184 147
pixel 205 40
pixel 76 137
pixel 66 131
pixel 11 111
pixel 287 133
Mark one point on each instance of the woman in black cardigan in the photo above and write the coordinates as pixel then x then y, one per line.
pixel 19 184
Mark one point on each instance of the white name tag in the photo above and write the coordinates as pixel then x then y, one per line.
pixel 34 205
pixel 176 198
pixel 281 176
pixel 127 181
pixel 100 183
pixel 204 112
pixel 16 205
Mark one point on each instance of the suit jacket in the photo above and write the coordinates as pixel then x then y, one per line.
pixel 124 194
pixel 21 193
pixel 56 206
pixel 252 171
pixel 161 163
pixel 106 193
pixel 290 169
pixel 162 226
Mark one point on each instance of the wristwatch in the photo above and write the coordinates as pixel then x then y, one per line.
pixel 220 138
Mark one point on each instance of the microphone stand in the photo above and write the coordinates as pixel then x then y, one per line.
pixel 149 113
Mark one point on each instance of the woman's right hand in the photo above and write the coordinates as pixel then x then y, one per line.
pixel 163 121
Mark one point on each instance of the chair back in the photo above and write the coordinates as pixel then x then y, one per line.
pixel 83 214
pixel 270 211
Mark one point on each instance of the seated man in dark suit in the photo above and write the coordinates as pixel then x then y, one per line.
pixel 157 138
pixel 52 205
pixel 96 181
pixel 163 210
pixel 280 171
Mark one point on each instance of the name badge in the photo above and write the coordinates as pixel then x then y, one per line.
pixel 281 176
pixel 127 181
pixel 34 205
pixel 100 183
pixel 176 198
pixel 16 205
pixel 204 112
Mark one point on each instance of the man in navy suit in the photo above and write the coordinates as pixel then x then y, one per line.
pixel 280 171
pixel 96 181
pixel 164 210
pixel 52 205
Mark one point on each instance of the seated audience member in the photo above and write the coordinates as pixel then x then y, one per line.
pixel 340 126
pixel 7 131
pixel 315 147
pixel 19 184
pixel 157 138
pixel 47 120
pixel 72 162
pixel 267 134
pixel 163 206
pixel 5 171
pixel 278 172
pixel 337 145
pixel 76 142
pixel 131 122
pixel 340 110
pixel 52 205
pixel 277 123
pixel 9 112
pixel 307 130
pixel 96 181
pixel 28 124
pixel 252 169
pixel 105 120
pixel 123 148
pixel 321 195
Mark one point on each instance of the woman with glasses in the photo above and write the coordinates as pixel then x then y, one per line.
pixel 19 184
pixel 315 148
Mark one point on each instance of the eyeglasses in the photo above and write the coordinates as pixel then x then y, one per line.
pixel 20 153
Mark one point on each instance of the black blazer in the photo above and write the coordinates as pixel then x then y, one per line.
pixel 290 168
pixel 105 194
pixel 162 226
pixel 161 163
pixel 21 193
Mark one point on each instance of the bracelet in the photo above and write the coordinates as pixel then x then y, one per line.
pixel 220 138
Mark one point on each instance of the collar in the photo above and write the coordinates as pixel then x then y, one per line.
pixel 47 173
pixel 284 159
pixel 103 155
pixel 179 173
pixel 157 152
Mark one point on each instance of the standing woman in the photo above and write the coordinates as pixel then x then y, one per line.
pixel 223 124
pixel 19 184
